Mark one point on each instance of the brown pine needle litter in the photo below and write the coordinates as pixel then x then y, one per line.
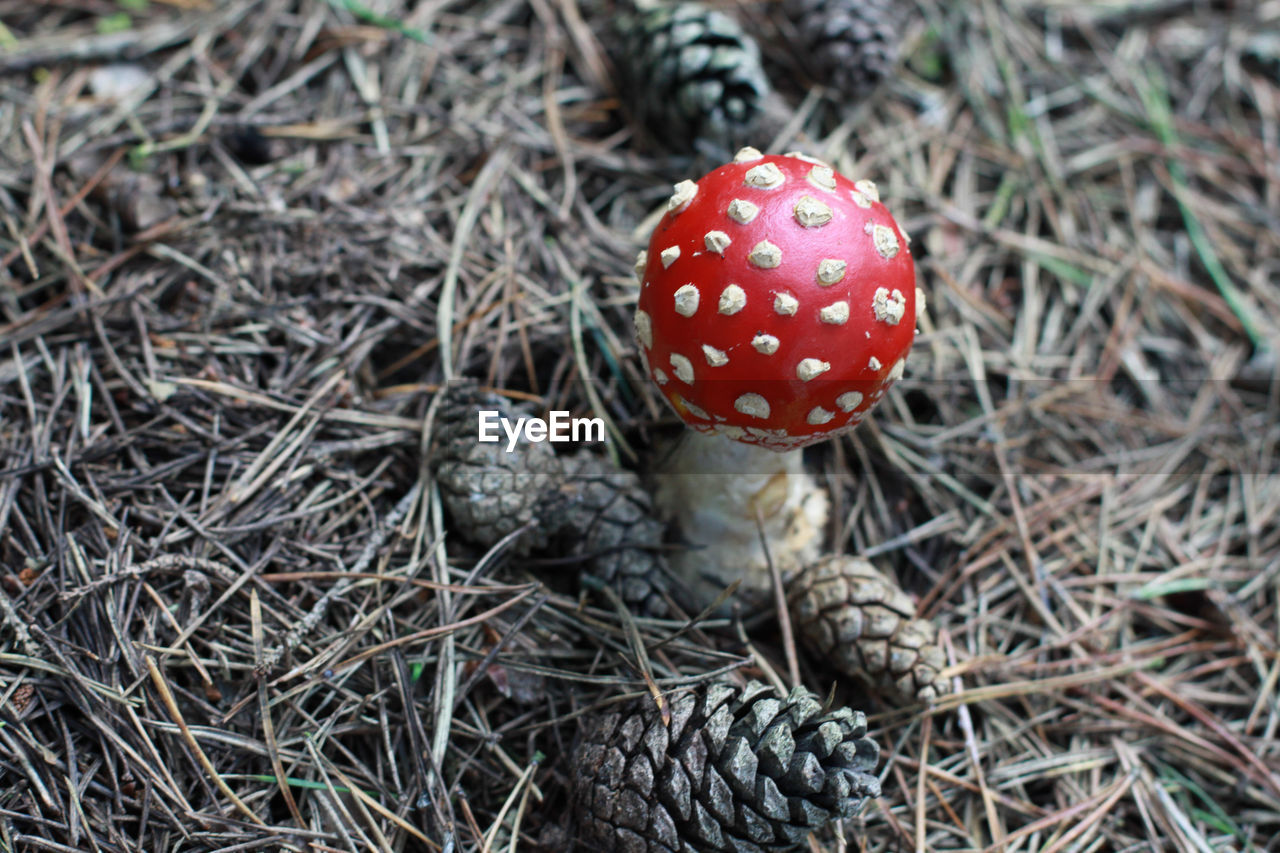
pixel 244 243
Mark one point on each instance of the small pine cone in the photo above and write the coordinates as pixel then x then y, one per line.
pixel 851 614
pixel 610 518
pixel 695 75
pixel 488 492
pixel 848 46
pixel 736 769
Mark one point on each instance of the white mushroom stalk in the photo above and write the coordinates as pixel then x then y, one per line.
pixel 726 500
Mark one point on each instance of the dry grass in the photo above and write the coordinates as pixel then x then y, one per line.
pixel 224 560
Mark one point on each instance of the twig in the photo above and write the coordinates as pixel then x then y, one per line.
pixel 299 632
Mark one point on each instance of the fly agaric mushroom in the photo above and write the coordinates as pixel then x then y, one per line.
pixel 777 304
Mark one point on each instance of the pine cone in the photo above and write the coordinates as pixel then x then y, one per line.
pixel 487 491
pixel 610 517
pixel 695 76
pixel 737 769
pixel 860 620
pixel 849 46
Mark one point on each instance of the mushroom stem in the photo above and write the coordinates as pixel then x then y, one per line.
pixel 718 495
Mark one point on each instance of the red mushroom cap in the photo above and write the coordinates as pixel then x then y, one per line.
pixel 777 301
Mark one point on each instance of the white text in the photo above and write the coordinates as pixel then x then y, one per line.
pixel 558 427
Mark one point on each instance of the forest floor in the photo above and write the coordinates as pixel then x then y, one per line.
pixel 236 272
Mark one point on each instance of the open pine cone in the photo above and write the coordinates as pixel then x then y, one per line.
pixel 488 492
pixel 694 75
pixel 580 502
pixel 610 517
pixel 848 46
pixel 851 614
pixel 737 769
